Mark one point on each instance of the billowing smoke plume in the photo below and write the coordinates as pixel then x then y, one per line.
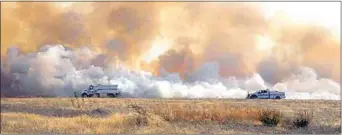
pixel 213 50
pixel 55 70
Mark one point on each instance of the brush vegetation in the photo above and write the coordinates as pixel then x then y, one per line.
pixel 167 116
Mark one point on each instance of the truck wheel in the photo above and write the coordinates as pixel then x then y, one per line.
pixel 84 95
pixel 277 97
pixel 111 95
pixel 254 97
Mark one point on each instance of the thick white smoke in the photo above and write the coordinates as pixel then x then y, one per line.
pixel 59 71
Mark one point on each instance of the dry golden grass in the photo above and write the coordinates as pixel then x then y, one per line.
pixel 219 113
pixel 37 124
pixel 161 116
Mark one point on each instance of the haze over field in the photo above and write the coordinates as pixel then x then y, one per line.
pixel 185 50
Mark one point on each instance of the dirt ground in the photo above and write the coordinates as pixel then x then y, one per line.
pixel 171 116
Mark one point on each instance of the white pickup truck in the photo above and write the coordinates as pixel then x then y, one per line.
pixel 101 91
pixel 266 94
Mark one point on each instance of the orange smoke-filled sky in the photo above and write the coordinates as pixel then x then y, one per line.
pixel 179 37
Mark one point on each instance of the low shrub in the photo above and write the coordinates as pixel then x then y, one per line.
pixel 269 117
pixel 302 119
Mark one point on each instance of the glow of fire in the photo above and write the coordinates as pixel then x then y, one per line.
pixel 159 46
pixel 265 43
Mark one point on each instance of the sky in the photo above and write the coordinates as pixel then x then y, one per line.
pixel 327 14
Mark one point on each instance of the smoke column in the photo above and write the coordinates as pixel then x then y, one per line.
pixel 168 50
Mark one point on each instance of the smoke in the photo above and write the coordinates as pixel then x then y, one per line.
pixel 30 25
pixel 216 50
pixel 56 70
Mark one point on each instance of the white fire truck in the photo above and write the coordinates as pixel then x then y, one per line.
pixel 101 91
pixel 266 94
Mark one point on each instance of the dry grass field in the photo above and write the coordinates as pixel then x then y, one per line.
pixel 164 116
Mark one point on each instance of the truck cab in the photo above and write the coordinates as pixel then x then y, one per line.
pixel 266 94
pixel 101 91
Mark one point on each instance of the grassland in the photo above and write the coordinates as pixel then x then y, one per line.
pixel 171 116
